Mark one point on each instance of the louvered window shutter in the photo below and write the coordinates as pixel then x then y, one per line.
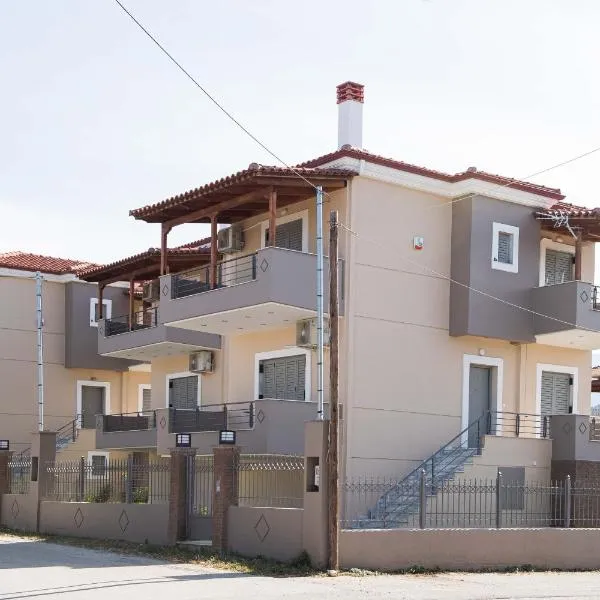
pixel 146 400
pixel 505 248
pixel 289 235
pixel 283 378
pixel 559 267
pixel 183 392
pixel 556 393
pixel 547 392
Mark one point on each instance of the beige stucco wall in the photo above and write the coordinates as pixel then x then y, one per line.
pixel 19 511
pixel 406 399
pixel 18 365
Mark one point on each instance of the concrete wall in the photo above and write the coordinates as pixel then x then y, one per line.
pixel 19 511
pixel 394 549
pixel 130 522
pixel 271 532
pixel 571 439
pixel 81 339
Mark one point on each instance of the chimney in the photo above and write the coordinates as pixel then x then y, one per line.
pixel 350 99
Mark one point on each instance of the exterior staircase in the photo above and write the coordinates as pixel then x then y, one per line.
pixel 399 505
pixel 65 436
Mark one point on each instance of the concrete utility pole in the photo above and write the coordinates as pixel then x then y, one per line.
pixel 333 468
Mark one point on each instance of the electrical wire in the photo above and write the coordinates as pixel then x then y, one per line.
pixel 464 285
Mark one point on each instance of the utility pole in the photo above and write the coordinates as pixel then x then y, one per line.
pixel 320 318
pixel 333 450
pixel 40 350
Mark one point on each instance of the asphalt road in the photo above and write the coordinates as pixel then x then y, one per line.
pixel 49 572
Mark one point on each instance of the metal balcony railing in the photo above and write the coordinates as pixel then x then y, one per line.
pixel 141 421
pixel 212 417
pixel 142 319
pixel 229 272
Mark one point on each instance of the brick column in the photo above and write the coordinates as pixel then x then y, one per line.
pixel 225 492
pixel 178 494
pixel 43 452
pixel 4 458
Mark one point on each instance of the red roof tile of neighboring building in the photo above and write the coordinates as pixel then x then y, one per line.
pixel 463 175
pixel 572 210
pixel 26 261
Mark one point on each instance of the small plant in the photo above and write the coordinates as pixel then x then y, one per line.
pixel 140 495
pixel 101 496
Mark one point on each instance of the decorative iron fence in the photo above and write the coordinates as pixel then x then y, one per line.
pixel 202 481
pixel 229 272
pixel 212 417
pixel 140 421
pixel 143 319
pixel 19 475
pixel 271 480
pixel 100 481
pixel 595 429
pixel 368 503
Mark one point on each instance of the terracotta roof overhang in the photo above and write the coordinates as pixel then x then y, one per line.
pixel 251 187
pixel 567 219
pixel 146 265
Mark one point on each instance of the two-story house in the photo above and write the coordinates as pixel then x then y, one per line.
pixel 78 383
pixel 464 297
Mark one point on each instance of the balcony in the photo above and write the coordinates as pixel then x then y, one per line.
pixel 567 315
pixel 141 337
pixel 271 288
pixel 133 431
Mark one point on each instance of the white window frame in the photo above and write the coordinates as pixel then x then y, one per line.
pixel 302 214
pixel 286 352
pixel 498 228
pixel 80 384
pixel 170 376
pixel 484 361
pixel 106 313
pixel 548 244
pixel 141 388
pixel 92 453
pixel 572 371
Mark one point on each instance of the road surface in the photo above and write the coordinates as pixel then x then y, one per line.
pixel 30 569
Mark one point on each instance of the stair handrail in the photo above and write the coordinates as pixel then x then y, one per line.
pixel 71 427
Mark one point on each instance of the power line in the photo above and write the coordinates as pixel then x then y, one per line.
pixel 210 96
pixel 464 285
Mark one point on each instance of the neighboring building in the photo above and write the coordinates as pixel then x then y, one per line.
pixel 78 382
pixel 472 279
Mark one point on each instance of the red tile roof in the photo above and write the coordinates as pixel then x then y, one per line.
pixel 572 210
pixel 463 175
pixel 25 261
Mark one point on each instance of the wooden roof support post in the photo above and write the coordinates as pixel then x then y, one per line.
pixel 578 261
pixel 213 252
pixel 101 287
pixel 131 299
pixel 272 217
pixel 164 232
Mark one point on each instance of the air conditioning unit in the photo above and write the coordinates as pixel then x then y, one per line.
pixel 202 362
pixel 151 291
pixel 306 333
pixel 230 239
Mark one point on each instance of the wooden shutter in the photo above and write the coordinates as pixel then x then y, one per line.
pixel 559 267
pixel 183 392
pixel 505 248
pixel 289 235
pixel 556 393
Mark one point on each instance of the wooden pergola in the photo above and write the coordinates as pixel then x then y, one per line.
pixel 245 194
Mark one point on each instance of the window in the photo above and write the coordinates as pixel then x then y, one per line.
pixel 98 461
pixel 94 316
pixel 283 375
pixel 505 248
pixel 292 232
pixel 183 391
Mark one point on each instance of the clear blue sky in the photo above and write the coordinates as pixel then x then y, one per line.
pixel 95 121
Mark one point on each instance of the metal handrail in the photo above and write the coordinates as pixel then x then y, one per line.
pixel 126 323
pixel 137 421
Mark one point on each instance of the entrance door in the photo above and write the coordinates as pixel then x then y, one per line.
pixel 282 378
pixel 480 385
pixel 556 393
pixel 559 267
pixel 92 404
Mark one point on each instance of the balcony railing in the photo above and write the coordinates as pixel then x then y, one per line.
pixel 212 417
pixel 229 272
pixel 129 422
pixel 142 319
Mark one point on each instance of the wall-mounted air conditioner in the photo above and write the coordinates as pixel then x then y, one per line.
pixel 202 362
pixel 151 291
pixel 230 239
pixel 306 333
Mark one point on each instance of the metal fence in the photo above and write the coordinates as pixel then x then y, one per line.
pixel 382 504
pixel 271 480
pixel 140 421
pixel 229 272
pixel 19 475
pixel 143 319
pixel 212 417
pixel 99 481
pixel 202 481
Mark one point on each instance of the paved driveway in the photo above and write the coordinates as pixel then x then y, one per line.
pixel 48 572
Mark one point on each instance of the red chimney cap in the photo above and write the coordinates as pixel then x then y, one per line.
pixel 350 91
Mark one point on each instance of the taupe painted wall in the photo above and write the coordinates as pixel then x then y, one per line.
pixel 571 439
pixel 19 511
pixel 271 532
pixel 475 314
pixel 138 523
pixel 81 340
pixel 394 549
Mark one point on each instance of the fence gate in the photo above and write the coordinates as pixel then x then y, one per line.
pixel 199 497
